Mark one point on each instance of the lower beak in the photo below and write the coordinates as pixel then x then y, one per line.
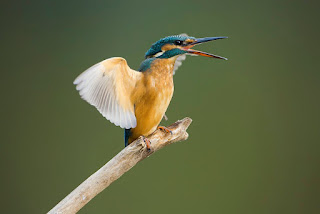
pixel 200 53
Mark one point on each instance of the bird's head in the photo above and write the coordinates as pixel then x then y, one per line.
pixel 173 46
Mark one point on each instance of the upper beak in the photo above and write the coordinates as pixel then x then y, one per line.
pixel 202 40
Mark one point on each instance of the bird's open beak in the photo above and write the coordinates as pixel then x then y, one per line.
pixel 200 53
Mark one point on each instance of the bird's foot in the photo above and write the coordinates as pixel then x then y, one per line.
pixel 165 129
pixel 147 142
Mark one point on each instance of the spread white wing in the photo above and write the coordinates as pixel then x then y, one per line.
pixel 108 86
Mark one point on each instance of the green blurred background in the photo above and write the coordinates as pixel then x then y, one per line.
pixel 254 140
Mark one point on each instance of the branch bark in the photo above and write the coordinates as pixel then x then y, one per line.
pixel 118 165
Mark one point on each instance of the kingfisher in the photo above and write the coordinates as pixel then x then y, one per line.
pixel 137 100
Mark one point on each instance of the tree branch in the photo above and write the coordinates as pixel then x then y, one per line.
pixel 120 164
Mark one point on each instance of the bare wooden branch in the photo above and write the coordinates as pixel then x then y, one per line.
pixel 118 165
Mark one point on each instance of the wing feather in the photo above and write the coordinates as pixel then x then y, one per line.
pixel 108 86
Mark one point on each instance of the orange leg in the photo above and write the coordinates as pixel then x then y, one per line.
pixel 165 129
pixel 147 142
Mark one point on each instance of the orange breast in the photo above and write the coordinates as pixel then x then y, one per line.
pixel 152 98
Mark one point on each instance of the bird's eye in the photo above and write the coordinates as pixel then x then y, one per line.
pixel 178 42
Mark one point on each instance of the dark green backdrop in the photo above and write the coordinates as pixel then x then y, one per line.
pixel 254 142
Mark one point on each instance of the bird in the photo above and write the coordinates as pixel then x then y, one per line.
pixel 137 100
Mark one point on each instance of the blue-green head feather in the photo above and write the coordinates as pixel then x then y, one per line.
pixel 173 46
pixel 179 40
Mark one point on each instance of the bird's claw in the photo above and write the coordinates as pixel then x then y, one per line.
pixel 165 129
pixel 147 142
